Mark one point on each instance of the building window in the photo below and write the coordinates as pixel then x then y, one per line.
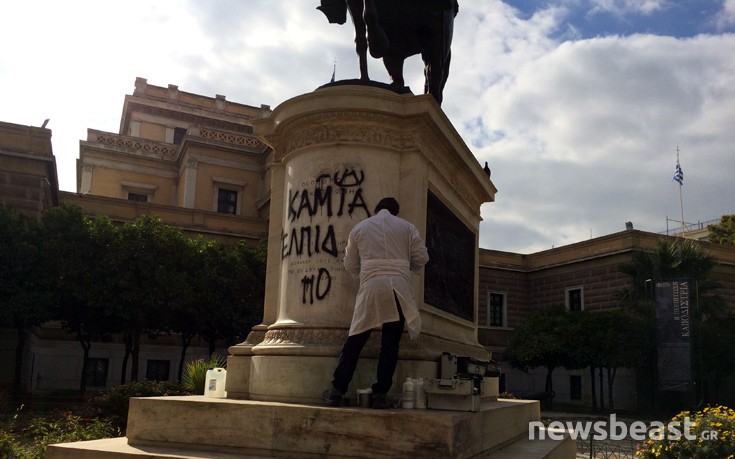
pixel 227 201
pixel 137 197
pixel 495 310
pixel 575 387
pixel 227 195
pixel 96 373
pixel 137 192
pixel 157 370
pixel 575 299
pixel 179 134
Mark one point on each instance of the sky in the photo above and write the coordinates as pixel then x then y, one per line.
pixel 578 106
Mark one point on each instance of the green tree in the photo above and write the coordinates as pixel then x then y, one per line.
pixel 723 232
pixel 681 259
pixel 237 285
pixel 77 247
pixel 544 339
pixel 25 300
pixel 613 339
pixel 671 259
pixel 717 354
pixel 186 313
pixel 149 271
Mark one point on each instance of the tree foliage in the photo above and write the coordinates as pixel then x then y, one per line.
pixel 554 337
pixel 612 339
pixel 143 278
pixel 543 339
pixel 671 259
pixel 712 344
pixel 723 232
pixel 25 300
pixel 76 247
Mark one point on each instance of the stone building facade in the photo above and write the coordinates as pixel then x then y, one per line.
pixel 28 180
pixel 580 276
pixel 189 159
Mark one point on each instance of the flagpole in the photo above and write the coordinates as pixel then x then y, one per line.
pixel 681 197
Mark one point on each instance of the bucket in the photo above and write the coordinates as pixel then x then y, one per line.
pixel 214 384
pixel 365 398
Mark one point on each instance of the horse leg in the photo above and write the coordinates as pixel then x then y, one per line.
pixel 435 75
pixel 445 74
pixel 361 44
pixel 394 66
pixel 437 56
pixel 377 39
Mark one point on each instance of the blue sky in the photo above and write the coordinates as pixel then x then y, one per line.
pixel 588 19
pixel 578 106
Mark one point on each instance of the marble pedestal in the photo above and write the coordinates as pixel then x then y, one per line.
pixel 336 152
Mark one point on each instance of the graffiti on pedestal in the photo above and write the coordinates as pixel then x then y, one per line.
pixel 315 227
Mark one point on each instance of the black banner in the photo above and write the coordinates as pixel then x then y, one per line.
pixel 673 335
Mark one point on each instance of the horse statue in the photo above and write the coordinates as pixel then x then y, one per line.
pixel 397 29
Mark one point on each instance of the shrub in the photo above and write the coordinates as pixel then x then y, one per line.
pixel 113 404
pixel 62 427
pixel 9 446
pixel 196 372
pixel 712 436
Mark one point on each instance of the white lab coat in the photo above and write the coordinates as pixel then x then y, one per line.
pixel 382 251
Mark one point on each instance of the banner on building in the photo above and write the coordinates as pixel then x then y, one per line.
pixel 673 335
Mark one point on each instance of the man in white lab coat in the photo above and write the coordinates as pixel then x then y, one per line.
pixel 382 250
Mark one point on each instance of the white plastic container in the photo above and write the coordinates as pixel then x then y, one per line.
pixel 408 395
pixel 214 384
pixel 420 394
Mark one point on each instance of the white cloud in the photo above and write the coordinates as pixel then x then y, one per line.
pixel 626 7
pixel 581 134
pixel 726 17
pixel 582 138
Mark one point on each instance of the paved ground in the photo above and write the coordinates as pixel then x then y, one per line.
pixel 595 449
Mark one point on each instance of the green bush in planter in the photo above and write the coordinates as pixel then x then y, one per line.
pixel 195 372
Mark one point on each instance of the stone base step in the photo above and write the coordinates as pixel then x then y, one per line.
pixel 118 448
pixel 201 427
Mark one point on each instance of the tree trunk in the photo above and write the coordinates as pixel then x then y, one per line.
pixel 128 340
pixel 86 346
pixel 19 349
pixel 593 388
pixel 135 354
pixel 549 388
pixel 185 341
pixel 610 379
pixel 602 392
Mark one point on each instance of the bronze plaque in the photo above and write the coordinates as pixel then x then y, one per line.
pixel 449 278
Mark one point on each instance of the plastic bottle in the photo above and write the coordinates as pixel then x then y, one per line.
pixel 407 395
pixel 214 383
pixel 420 393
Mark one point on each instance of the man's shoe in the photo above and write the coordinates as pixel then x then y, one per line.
pixel 379 402
pixel 332 397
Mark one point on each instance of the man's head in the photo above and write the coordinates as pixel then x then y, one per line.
pixel 390 204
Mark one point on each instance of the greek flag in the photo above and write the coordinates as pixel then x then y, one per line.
pixel 679 174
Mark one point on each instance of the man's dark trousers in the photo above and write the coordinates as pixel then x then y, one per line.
pixel 392 332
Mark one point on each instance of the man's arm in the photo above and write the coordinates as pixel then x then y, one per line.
pixel 352 257
pixel 419 253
